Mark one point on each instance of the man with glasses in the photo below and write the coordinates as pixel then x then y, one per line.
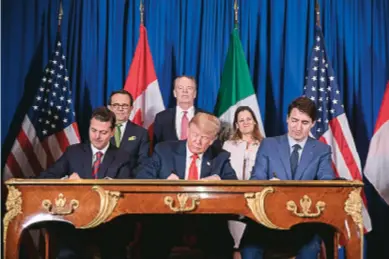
pixel 191 159
pixel 128 136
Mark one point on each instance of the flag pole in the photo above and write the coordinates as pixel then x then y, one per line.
pixel 141 10
pixel 317 12
pixel 236 8
pixel 60 15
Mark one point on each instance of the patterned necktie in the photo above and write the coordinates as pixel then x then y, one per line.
pixel 294 159
pixel 118 134
pixel 193 172
pixel 184 126
pixel 96 164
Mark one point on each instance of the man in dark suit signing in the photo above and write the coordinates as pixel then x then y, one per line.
pixel 193 159
pixel 128 136
pixel 293 156
pixel 95 160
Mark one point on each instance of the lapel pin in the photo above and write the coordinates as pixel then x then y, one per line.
pixel 208 163
pixel 131 138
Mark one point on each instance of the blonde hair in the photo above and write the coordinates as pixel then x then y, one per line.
pixel 207 123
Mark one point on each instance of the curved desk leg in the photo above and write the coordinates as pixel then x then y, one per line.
pixel 354 246
pixel 12 241
pixel 12 221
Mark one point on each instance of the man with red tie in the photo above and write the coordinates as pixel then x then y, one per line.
pixel 172 123
pixel 191 159
pixel 95 160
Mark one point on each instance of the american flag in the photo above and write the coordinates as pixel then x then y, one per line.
pixel 332 125
pixel 47 129
pixel 49 126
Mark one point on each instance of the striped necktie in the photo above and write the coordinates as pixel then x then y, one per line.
pixel 96 164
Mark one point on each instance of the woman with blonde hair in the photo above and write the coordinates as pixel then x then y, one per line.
pixel 243 146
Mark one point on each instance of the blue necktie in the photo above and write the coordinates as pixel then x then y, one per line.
pixel 294 159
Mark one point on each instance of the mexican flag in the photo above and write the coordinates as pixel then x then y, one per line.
pixel 236 88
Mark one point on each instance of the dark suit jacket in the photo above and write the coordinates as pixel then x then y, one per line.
pixel 274 156
pixel 165 128
pixel 78 158
pixel 165 125
pixel 170 157
pixel 135 142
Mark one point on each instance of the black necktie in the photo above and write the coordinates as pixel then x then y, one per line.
pixel 294 159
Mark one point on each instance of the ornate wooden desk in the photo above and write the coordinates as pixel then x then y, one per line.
pixel 275 204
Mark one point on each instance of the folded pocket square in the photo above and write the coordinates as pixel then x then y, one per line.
pixel 131 138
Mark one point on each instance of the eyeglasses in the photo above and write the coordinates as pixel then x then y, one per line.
pixel 117 106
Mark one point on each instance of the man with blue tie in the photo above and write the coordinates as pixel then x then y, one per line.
pixel 95 160
pixel 293 156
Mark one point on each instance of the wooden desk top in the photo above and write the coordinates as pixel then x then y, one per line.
pixel 275 204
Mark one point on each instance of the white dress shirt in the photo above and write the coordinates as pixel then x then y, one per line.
pixel 179 114
pixel 189 161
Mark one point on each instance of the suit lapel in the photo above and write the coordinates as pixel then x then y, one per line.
pixel 112 141
pixel 107 161
pixel 284 150
pixel 173 123
pixel 180 160
pixel 87 162
pixel 126 133
pixel 206 165
pixel 306 158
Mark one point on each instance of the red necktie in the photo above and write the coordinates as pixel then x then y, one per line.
pixel 96 164
pixel 193 173
pixel 184 126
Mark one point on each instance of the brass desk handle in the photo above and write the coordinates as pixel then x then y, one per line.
pixel 305 211
pixel 60 207
pixel 182 202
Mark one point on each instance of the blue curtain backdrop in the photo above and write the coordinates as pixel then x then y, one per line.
pixel 191 37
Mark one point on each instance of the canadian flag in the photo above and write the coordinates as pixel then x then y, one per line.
pixel 377 163
pixel 143 85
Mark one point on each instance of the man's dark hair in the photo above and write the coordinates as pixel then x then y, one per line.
pixel 305 105
pixel 121 91
pixel 103 114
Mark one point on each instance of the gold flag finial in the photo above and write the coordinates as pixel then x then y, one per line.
pixel 60 13
pixel 142 11
pixel 236 8
pixel 317 12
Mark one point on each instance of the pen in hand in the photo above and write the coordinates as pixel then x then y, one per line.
pixel 274 178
